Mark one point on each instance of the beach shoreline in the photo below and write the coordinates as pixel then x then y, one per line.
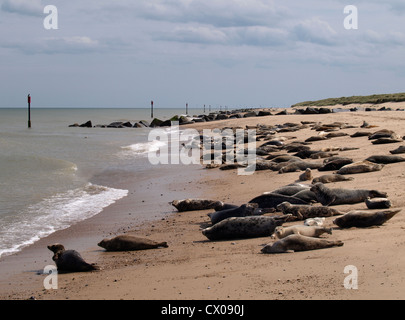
pixel 194 268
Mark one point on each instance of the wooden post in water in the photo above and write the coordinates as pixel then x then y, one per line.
pixel 186 108
pixel 29 111
pixel 151 109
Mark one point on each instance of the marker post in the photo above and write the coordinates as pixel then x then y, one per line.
pixel 29 111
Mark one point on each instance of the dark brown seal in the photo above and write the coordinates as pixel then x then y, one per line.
pixel 130 243
pixel 69 260
pixel 330 197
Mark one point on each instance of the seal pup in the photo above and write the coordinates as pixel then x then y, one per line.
pixel 360 167
pixel 242 211
pixel 129 243
pixel 329 178
pixel 303 212
pixel 398 150
pixel 364 219
pixel 195 204
pixel 69 260
pixel 244 227
pixel 378 203
pixel 331 197
pixel 272 200
pixel 308 231
pixel 306 176
pixel 297 242
pixel 385 159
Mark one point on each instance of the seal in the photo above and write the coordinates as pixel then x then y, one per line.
pixel 69 260
pixel 297 242
pixel 130 243
pixel 244 227
pixel 314 231
pixel 306 195
pixel 242 211
pixel 378 203
pixel 386 141
pixel 335 164
pixel 303 212
pixel 364 219
pixel 360 167
pixel 272 200
pixel 306 176
pixel 398 150
pixel 332 197
pixel 314 222
pixel 290 190
pixel 329 178
pixel 299 166
pixel 195 204
pixel 385 159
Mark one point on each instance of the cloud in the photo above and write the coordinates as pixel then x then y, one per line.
pixel 23 7
pixel 315 31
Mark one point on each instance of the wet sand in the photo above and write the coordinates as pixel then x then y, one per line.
pixel 193 267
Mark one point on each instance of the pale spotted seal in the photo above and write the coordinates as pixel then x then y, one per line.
pixel 272 200
pixel 69 260
pixel 130 243
pixel 364 219
pixel 303 212
pixel 244 227
pixel 297 242
pixel 360 167
pixel 378 203
pixel 330 197
pixel 314 231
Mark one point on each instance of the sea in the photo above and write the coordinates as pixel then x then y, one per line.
pixel 47 171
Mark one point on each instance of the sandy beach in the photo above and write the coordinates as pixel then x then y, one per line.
pixel 192 267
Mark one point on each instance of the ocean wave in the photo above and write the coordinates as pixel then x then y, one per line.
pixel 55 213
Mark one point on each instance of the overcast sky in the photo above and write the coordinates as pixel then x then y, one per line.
pixel 125 53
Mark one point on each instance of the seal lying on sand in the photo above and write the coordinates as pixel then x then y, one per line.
pixel 329 178
pixel 244 227
pixel 385 159
pixel 335 164
pixel 378 203
pixel 195 204
pixel 316 232
pixel 272 200
pixel 69 260
pixel 130 243
pixel 297 242
pixel 364 219
pixel 242 211
pixel 398 150
pixel 330 197
pixel 360 167
pixel 303 212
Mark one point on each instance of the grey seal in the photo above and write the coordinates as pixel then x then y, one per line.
pixel 385 159
pixel 330 197
pixel 335 164
pixel 244 227
pixel 329 178
pixel 297 242
pixel 242 211
pixel 364 219
pixel 378 203
pixel 195 204
pixel 398 150
pixel 129 243
pixel 272 200
pixel 308 231
pixel 303 212
pixel 69 260
pixel 360 167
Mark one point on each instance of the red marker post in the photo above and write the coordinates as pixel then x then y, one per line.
pixel 29 111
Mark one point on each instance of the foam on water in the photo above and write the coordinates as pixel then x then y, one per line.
pixel 55 213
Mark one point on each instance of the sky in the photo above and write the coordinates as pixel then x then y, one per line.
pixel 235 53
